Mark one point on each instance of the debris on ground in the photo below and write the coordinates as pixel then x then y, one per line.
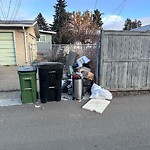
pixel 37 106
pixel 66 98
pixel 97 105
pixel 79 81
pixel 100 99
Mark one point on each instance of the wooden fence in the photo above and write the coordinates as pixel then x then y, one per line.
pixel 124 60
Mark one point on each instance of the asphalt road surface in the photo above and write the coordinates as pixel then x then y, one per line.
pixel 124 125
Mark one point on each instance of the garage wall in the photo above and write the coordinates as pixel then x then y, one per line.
pixel 12 46
pixel 32 44
pixel 25 55
pixel 20 48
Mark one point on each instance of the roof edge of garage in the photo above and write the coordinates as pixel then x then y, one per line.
pixel 17 23
pixel 21 23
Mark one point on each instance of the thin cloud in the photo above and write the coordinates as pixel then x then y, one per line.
pixel 113 22
pixel 145 21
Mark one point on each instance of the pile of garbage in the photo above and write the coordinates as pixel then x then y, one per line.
pixel 79 79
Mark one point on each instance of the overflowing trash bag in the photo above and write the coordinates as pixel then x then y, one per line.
pixel 98 92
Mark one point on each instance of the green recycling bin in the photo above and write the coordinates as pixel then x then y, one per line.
pixel 28 85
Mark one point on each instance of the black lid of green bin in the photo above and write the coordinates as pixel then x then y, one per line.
pixel 26 69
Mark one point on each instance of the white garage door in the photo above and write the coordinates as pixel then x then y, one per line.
pixel 7 49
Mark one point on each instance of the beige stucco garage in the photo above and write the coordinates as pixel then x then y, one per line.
pixel 18 42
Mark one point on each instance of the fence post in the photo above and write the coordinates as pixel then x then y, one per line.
pixel 98 59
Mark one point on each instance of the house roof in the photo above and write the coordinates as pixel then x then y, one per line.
pixel 145 28
pixel 21 23
pixel 26 23
pixel 49 32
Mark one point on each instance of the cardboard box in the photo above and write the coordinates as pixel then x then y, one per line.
pixel 88 75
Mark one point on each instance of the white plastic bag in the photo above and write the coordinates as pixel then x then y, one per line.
pixel 98 92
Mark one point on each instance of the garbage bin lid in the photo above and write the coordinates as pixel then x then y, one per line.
pixel 26 69
pixel 50 64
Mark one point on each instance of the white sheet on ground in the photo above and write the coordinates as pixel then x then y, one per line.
pixel 97 105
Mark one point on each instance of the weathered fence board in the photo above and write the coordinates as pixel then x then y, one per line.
pixel 124 60
pixel 148 77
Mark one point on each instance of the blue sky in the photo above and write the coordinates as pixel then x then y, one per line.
pixel 115 11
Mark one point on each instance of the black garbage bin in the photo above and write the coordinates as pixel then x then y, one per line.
pixel 50 78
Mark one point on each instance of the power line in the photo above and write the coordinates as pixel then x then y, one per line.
pixel 8 9
pixel 18 6
pixel 121 9
pixel 120 5
pixel 2 10
pixel 14 10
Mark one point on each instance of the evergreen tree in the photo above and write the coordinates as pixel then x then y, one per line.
pixel 136 24
pixel 97 18
pixel 42 22
pixel 61 19
pixel 129 24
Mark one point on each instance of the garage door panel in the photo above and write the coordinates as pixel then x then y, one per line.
pixel 6 42
pixel 4 46
pixel 6 36
pixel 4 50
pixel 7 49
pixel 7 61
pixel 6 54
pixel 9 58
